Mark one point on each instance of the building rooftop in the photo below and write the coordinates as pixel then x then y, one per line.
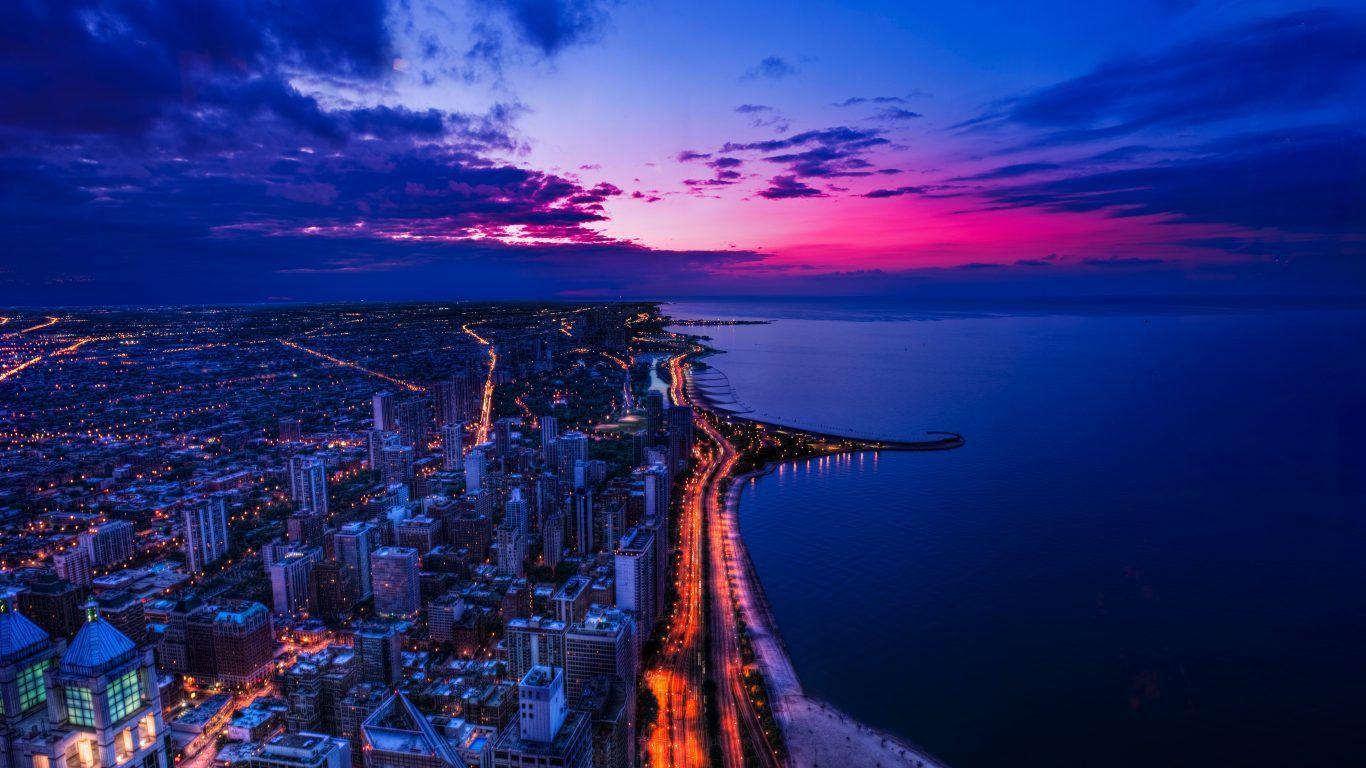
pixel 97 648
pixel 18 635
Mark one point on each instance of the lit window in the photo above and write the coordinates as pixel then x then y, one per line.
pixel 32 689
pixel 80 707
pixel 124 696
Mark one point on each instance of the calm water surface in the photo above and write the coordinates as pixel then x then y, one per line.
pixel 1152 550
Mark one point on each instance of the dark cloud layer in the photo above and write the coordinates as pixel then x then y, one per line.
pixel 1287 63
pixel 1307 180
pixel 553 25
pixel 142 139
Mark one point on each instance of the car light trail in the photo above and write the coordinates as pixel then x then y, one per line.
pixel 35 360
pixel 481 431
pixel 51 321
pixel 411 387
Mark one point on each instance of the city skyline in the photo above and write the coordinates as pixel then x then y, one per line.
pixel 501 149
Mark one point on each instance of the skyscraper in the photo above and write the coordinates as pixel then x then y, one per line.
pixel 396 464
pixel 511 550
pixel 569 448
pixel 379 650
pixel 353 545
pixel 414 419
pixel 654 414
pixel 550 429
pixel 394 576
pixel 206 533
pixel 601 644
pixel 475 466
pixel 452 445
pixel 552 539
pixel 448 402
pixel 502 437
pixel 308 483
pixel 383 407
pixel 635 577
pixel 291 581
pixel 582 507
pixel 104 688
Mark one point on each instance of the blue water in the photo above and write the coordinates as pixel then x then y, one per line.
pixel 1151 551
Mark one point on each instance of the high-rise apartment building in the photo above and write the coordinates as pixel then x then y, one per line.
pixel 308 483
pixel 394 578
pixel 353 546
pixel 206 532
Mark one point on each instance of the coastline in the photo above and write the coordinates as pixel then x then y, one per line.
pixel 816 733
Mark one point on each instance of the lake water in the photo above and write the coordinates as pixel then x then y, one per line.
pixel 1151 551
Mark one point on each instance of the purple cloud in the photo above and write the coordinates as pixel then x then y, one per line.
pixel 788 187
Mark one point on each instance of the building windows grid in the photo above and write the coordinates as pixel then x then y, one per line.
pixel 80 707
pixel 32 687
pixel 124 696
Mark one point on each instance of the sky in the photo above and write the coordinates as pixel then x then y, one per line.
pixel 261 150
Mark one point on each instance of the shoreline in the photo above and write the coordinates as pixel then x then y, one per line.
pixel 815 732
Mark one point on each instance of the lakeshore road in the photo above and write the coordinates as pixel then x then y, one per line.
pixel 680 737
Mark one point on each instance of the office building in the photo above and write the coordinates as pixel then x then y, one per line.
pixel 396 464
pixel 421 533
pixel 654 414
pixel 306 529
pixel 125 612
pixel 609 706
pixel 99 704
pixel 291 430
pixel 236 640
pixel 336 591
pixel 293 750
pixel 398 735
pixel 569 448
